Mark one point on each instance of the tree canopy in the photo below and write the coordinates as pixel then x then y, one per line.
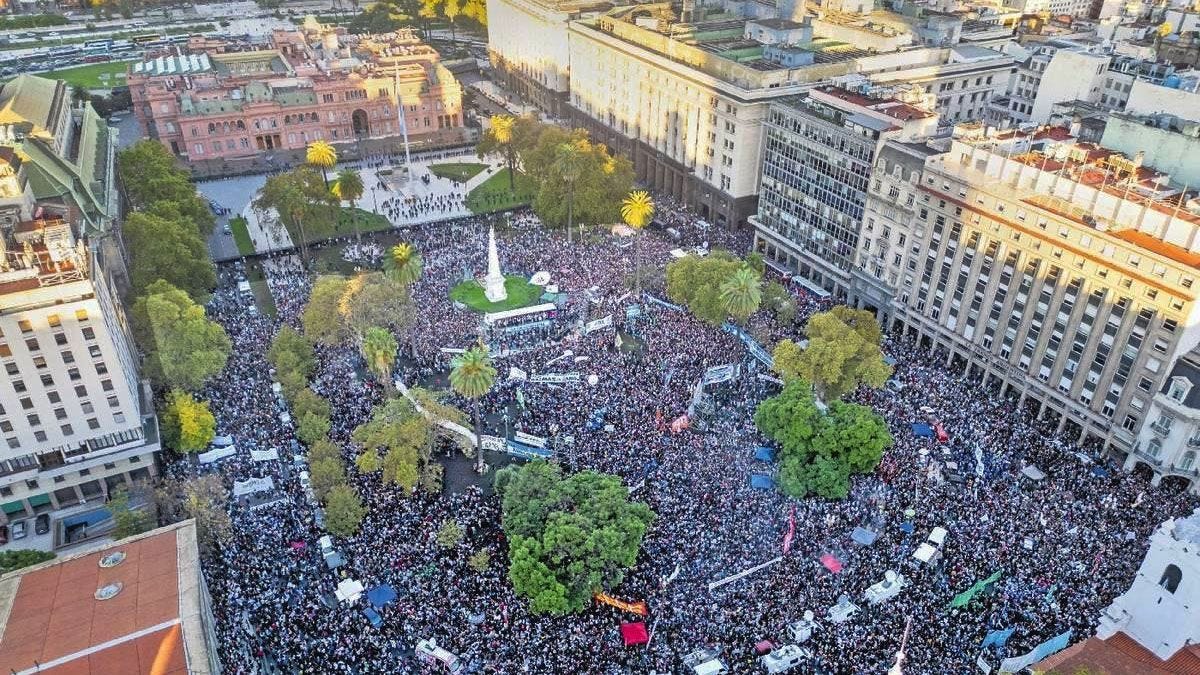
pixel 698 283
pixel 374 299
pixel 842 353
pixel 401 436
pixel 167 249
pixel 569 537
pixel 187 425
pixel 344 511
pixel 154 182
pixel 819 450
pixel 183 348
pixel 322 319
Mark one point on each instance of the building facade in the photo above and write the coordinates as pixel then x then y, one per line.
pixel 820 151
pixel 687 102
pixel 527 47
pixel 75 420
pixel 1167 445
pixel 1063 274
pixel 315 83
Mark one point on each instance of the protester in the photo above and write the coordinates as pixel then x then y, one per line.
pixel 1085 535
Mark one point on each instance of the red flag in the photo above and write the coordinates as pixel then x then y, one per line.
pixel 791 531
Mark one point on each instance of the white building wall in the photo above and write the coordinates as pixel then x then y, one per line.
pixel 1070 76
pixel 532 37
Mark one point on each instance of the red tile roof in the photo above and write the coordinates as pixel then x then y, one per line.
pixel 57 621
pixel 1120 655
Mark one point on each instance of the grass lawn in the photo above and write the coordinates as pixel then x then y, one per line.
pixel 459 171
pixel 94 76
pixel 521 293
pixel 262 293
pixel 367 221
pixel 494 194
pixel 241 236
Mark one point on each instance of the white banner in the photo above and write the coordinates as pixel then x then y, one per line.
pixel 767 378
pixel 555 378
pixel 246 487
pixel 720 374
pixel 528 439
pixel 598 324
pixel 453 350
pixel 264 455
pixel 494 443
pixel 216 454
pixel 515 373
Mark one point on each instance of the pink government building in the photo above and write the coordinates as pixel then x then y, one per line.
pixel 219 100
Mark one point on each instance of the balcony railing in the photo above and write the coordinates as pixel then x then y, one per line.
pixel 1156 461
pixel 1194 442
pixel 1160 429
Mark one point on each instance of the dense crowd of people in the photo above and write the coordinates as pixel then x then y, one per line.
pixel 1066 546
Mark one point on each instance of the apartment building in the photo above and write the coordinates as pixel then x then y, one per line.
pixel 687 102
pixel 1048 73
pixel 527 47
pixel 75 420
pixel 820 151
pixel 963 85
pixel 1059 272
pixel 314 83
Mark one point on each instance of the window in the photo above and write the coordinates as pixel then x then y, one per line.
pixel 32 345
pixel 60 339
pixel 54 397
pixel 25 326
pixel 87 407
pixel 60 413
pixel 34 420
pixel 106 385
pixel 93 423
pixel 66 430
pixel 89 333
pixel 1179 388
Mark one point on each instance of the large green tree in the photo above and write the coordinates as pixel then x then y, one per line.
pixel 842 353
pixel 579 182
pixel 322 317
pixel 344 511
pixel 569 537
pixel 348 187
pixel 374 299
pixel 154 182
pixel 401 437
pixel 183 347
pixel 698 283
pixel 292 356
pixel 303 203
pixel 820 449
pixel 167 249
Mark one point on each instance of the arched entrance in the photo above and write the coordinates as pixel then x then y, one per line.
pixel 1142 470
pixel 359 123
pixel 1175 483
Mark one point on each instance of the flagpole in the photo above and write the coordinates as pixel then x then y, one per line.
pixel 400 112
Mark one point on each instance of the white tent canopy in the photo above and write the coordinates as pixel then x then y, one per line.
pixel 349 590
pixel 924 552
pixel 938 536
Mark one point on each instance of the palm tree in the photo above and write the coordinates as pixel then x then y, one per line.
pixel 637 209
pixel 403 264
pixel 348 187
pixel 501 133
pixel 472 376
pixel 741 294
pixel 568 163
pixel 321 155
pixel 379 350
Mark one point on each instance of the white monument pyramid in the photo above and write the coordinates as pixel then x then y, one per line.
pixel 493 283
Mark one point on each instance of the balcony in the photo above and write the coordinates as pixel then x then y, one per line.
pixel 1193 442
pixel 1150 459
pixel 1160 428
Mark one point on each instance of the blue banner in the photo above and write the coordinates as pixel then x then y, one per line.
pixel 999 638
pixel 756 349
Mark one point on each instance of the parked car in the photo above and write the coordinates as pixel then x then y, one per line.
pixel 42 524
pixel 18 530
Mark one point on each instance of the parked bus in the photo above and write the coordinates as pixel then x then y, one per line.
pixel 143 39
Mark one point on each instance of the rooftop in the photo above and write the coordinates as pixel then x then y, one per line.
pixel 39 253
pixel 85 614
pixel 1120 655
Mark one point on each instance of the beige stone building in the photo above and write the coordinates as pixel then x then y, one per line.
pixel 1062 273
